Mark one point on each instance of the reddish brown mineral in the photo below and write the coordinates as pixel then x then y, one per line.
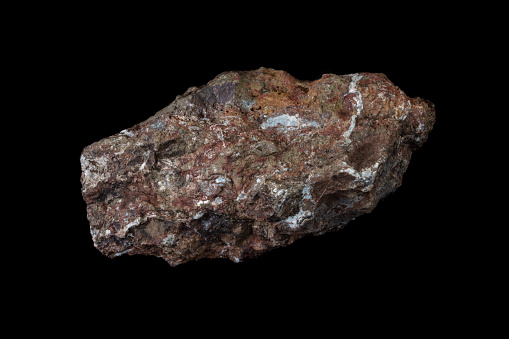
pixel 251 161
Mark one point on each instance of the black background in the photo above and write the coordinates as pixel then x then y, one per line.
pixel 409 253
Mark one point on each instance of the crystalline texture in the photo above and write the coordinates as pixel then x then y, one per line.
pixel 249 162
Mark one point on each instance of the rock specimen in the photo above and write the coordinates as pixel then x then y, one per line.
pixel 251 161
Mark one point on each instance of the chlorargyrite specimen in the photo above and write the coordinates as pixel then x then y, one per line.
pixel 251 161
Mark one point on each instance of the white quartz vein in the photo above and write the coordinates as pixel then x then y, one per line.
pixel 352 88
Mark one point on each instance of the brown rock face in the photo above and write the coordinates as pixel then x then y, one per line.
pixel 251 161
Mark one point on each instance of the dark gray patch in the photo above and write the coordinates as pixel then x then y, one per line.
pixel 224 92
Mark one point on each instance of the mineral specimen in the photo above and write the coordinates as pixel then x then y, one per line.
pixel 249 162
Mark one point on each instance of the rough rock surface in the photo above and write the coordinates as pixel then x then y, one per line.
pixel 251 161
